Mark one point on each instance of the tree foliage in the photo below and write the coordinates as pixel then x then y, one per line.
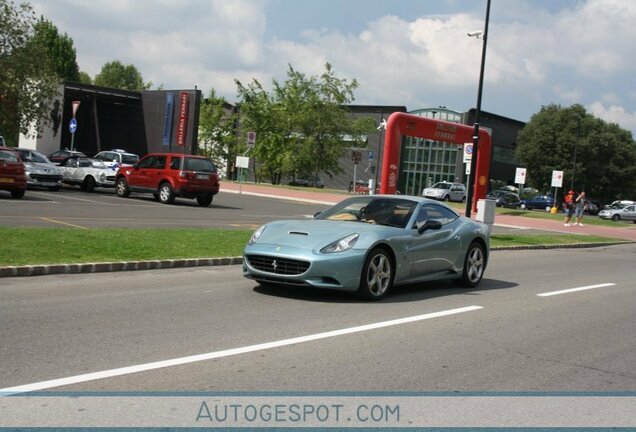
pixel 59 48
pixel 605 161
pixel 85 78
pixel 27 78
pixel 301 125
pixel 216 128
pixel 117 75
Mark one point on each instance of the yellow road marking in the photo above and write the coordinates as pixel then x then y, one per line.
pixel 63 223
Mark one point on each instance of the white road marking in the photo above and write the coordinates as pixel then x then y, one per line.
pixel 571 290
pixel 42 385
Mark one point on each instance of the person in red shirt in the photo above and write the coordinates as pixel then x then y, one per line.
pixel 568 207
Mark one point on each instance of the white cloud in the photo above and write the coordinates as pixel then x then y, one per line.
pixel 614 114
pixel 573 52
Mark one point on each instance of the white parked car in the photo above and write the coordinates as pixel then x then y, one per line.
pixel 446 191
pixel 87 173
pixel 40 171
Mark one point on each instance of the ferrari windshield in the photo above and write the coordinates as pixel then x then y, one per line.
pixel 394 212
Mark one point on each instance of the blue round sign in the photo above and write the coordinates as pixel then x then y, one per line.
pixel 72 126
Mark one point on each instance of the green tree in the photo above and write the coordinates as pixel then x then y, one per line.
pixel 85 78
pixel 27 79
pixel 216 128
pixel 301 124
pixel 117 75
pixel 605 162
pixel 60 50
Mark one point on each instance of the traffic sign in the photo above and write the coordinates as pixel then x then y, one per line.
pixel 520 176
pixel 72 126
pixel 251 139
pixel 468 152
pixel 557 179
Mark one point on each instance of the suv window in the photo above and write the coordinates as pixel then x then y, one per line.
pixel 441 186
pixel 147 162
pixel 197 164
pixel 129 159
pixel 175 163
pixel 153 162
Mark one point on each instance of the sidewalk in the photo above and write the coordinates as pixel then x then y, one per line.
pixel 623 230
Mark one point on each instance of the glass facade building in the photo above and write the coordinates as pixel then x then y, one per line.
pixel 424 162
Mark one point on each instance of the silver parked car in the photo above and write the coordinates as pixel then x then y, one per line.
pixel 446 191
pixel 627 213
pixel 40 171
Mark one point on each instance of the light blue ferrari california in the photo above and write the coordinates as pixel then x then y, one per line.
pixel 369 243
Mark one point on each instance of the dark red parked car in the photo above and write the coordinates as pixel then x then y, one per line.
pixel 170 175
pixel 12 174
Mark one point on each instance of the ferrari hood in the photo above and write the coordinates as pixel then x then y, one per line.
pixel 310 234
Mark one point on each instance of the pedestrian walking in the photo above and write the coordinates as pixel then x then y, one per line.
pixel 581 204
pixel 568 207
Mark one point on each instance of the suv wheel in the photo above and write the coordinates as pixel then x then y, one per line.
pixel 204 200
pixel 447 198
pixel 166 194
pixel 18 193
pixel 121 187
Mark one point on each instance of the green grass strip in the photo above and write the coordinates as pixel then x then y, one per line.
pixel 26 246
pixel 501 240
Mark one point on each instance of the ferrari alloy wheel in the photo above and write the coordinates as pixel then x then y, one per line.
pixel 166 194
pixel 377 275
pixel 474 266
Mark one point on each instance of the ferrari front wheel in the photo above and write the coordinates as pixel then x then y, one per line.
pixel 377 275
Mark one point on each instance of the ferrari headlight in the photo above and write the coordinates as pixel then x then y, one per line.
pixel 256 235
pixel 341 245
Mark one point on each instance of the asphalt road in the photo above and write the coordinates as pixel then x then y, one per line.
pixel 509 338
pixel 71 207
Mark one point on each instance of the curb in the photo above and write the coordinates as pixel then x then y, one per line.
pixel 52 269
pixel 45 269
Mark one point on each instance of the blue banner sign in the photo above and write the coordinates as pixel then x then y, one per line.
pixel 167 119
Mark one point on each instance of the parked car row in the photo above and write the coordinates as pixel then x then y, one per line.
pixel 164 175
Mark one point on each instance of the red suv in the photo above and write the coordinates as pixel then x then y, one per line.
pixel 12 173
pixel 170 175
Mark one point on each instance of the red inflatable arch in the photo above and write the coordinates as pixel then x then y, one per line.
pixel 401 124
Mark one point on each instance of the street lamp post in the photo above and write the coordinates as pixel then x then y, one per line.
pixel 473 161
pixel 576 143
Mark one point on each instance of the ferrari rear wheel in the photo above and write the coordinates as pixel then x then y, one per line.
pixel 474 266
pixel 377 275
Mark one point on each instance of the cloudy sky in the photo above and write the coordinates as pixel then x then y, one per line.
pixel 414 53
